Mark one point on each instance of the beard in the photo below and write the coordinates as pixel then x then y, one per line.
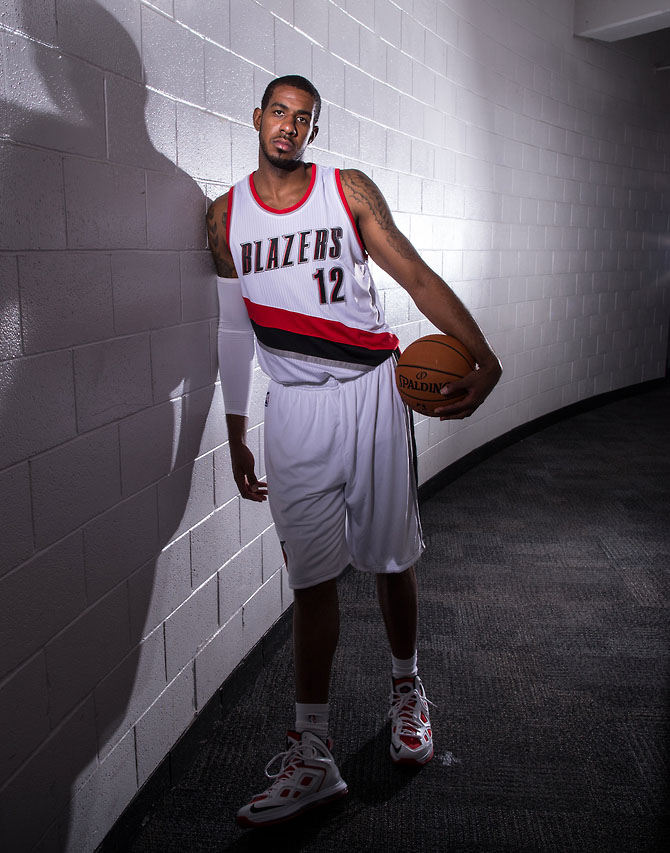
pixel 279 162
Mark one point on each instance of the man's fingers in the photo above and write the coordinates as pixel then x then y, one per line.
pixel 256 491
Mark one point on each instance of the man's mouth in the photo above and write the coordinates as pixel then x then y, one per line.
pixel 283 144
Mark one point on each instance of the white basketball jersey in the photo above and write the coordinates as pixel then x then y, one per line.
pixel 306 284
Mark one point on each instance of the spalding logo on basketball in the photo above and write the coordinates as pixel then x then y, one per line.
pixel 425 366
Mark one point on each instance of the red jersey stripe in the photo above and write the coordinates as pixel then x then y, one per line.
pixel 331 330
pixel 229 211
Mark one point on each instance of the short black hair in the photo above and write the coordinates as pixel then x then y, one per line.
pixel 297 82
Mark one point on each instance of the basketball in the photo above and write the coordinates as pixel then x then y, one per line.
pixel 425 366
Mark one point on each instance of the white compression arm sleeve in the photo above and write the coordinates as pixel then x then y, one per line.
pixel 235 347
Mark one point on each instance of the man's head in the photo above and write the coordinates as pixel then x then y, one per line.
pixel 296 82
pixel 286 120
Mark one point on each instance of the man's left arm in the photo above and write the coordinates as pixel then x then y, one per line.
pixel 389 248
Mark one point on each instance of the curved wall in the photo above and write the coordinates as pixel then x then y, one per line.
pixel 528 167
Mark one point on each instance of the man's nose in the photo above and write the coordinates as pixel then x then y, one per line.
pixel 288 126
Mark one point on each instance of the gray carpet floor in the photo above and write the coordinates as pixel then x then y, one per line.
pixel 544 643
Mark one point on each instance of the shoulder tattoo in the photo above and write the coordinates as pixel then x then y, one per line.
pixel 216 235
pixel 365 193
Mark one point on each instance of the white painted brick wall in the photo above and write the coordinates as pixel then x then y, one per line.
pixel 528 167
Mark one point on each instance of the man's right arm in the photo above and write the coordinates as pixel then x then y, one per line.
pixel 235 348
pixel 217 224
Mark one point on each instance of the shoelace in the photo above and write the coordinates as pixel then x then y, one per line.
pixel 400 705
pixel 288 757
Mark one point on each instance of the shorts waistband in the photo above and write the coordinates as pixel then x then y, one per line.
pixel 333 384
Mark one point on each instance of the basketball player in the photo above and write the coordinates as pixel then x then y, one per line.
pixel 290 243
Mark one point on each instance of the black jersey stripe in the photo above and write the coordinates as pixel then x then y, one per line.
pixel 280 339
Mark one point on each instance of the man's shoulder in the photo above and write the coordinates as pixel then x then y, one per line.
pixel 352 174
pixel 358 187
pixel 219 206
pixel 354 177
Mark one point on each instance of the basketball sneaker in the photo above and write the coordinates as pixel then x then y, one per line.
pixel 411 734
pixel 307 777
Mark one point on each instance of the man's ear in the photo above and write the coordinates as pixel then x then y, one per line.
pixel 314 134
pixel 258 113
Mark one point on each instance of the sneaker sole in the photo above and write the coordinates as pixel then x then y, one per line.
pixel 249 823
pixel 413 761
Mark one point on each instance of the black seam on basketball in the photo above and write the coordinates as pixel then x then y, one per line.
pixel 458 353
pixel 433 340
pixel 431 401
pixel 430 369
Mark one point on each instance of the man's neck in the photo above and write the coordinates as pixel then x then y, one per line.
pixel 282 188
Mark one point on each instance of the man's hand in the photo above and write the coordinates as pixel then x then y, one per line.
pixel 243 464
pixel 242 460
pixel 477 385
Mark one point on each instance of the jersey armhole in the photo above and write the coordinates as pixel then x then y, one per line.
pixel 345 204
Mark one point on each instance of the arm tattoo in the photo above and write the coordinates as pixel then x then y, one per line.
pixel 212 231
pixel 217 243
pixel 366 194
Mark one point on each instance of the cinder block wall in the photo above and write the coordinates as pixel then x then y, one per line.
pixel 527 166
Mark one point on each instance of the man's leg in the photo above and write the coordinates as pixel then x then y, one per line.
pixel 308 775
pixel 316 629
pixel 398 600
pixel 411 733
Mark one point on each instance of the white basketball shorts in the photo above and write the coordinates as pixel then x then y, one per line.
pixel 341 480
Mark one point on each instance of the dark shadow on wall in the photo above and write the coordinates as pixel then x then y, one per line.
pixel 123 403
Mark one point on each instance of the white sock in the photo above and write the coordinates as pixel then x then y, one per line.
pixel 404 668
pixel 312 718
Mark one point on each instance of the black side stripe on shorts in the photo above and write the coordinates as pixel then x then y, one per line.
pixel 411 445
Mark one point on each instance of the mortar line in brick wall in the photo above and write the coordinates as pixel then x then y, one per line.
pixel 137 767
pixel 194 682
pixel 105 100
pixel 74 402
pixel 203 109
pixel 395 88
pixel 7 677
pixel 372 29
pixel 35 40
pixel 149 5
pixel 32 519
pixel 32 146
pixel 190 561
pixel 230 29
pixel 197 589
pixel 13 31
pixel 218 599
pixel 40 552
pixel 278 17
pixel 308 37
pixel 124 336
pixel 243 547
pixel 208 39
pixel 165 672
pixel 53 733
pixel 146 216
pixel 63 185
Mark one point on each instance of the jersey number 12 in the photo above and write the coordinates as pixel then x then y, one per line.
pixel 336 276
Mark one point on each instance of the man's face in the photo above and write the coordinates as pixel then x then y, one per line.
pixel 286 126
